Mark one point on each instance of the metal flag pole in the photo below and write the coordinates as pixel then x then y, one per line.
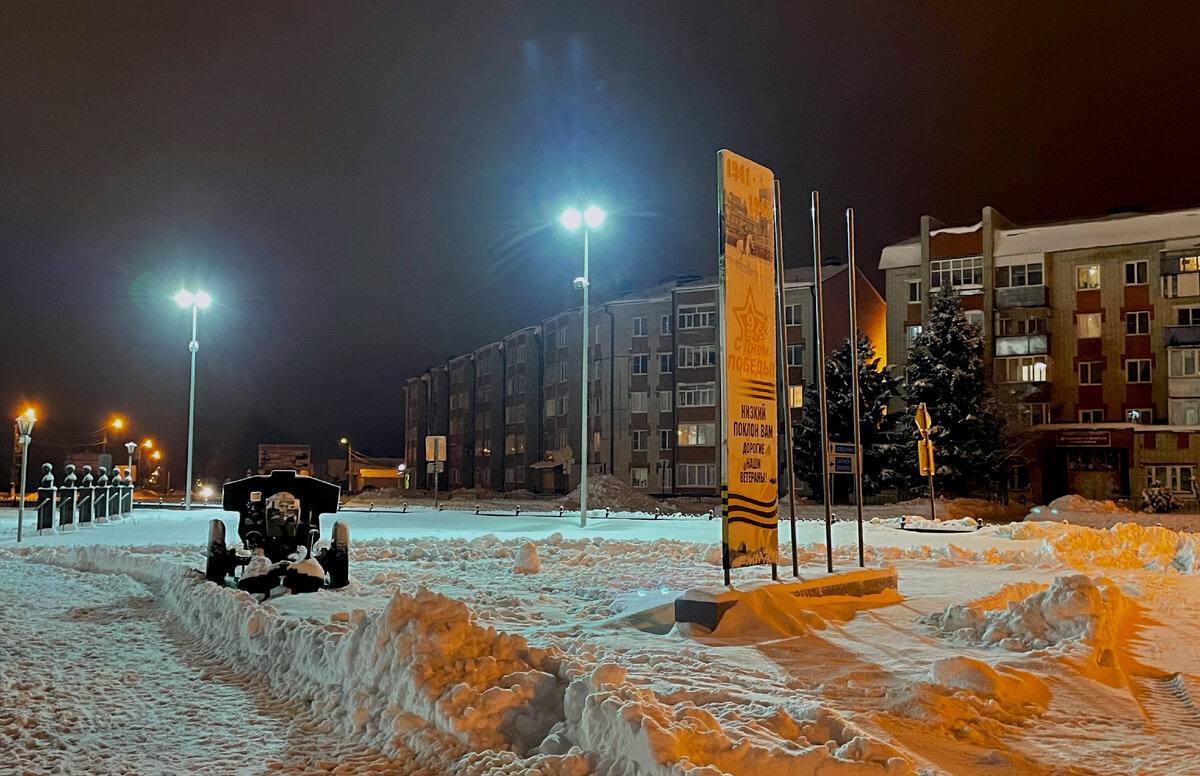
pixel 780 288
pixel 820 366
pixel 854 395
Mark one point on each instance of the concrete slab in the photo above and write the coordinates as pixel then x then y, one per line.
pixel 706 605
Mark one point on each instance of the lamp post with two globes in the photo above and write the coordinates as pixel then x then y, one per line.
pixel 572 219
pixel 196 301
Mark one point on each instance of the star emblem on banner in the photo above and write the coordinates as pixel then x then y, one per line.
pixel 752 322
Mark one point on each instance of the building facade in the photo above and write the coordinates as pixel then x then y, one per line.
pixel 653 392
pixel 1092 337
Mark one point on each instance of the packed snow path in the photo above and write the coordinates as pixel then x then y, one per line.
pixel 95 678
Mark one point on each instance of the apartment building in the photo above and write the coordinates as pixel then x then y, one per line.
pixel 1092 334
pixel 653 414
pixel 488 408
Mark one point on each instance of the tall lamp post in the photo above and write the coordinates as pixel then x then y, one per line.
pixel 572 219
pixel 196 301
pixel 25 423
pixel 349 454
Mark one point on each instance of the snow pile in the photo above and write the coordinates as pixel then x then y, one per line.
pixel 954 509
pixel 528 561
pixel 615 715
pixel 609 492
pixel 1128 546
pixel 1073 608
pixel 919 523
pixel 972 700
pixel 1074 503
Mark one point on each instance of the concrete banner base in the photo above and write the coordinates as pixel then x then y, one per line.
pixel 706 605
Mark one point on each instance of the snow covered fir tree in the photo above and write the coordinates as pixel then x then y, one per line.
pixel 972 442
pixel 876 389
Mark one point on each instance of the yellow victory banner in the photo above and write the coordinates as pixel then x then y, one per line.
pixel 749 487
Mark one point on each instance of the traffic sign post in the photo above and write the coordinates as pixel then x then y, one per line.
pixel 842 458
pixel 435 453
pixel 925 453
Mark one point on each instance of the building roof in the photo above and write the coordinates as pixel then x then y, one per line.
pixel 1117 229
pixel 1120 229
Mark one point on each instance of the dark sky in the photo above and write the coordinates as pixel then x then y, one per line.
pixel 369 188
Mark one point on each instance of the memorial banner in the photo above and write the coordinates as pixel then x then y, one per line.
pixel 749 487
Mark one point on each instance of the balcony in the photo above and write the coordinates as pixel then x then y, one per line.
pixel 1022 296
pixel 1181 336
pixel 1023 345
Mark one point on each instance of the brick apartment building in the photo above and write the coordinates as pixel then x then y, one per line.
pixel 1091 330
pixel 653 417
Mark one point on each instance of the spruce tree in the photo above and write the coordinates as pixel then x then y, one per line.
pixel 876 389
pixel 946 372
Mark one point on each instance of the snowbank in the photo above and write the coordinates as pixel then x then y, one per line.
pixel 1073 608
pixel 609 492
pixel 1074 503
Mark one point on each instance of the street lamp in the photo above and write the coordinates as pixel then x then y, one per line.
pixel 572 219
pixel 196 301
pixel 349 452
pixel 118 424
pixel 25 423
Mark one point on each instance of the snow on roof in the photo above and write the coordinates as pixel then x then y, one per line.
pixel 1121 229
pixel 901 254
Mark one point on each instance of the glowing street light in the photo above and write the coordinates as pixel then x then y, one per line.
pixel 25 423
pixel 196 301
pixel 572 219
pixel 349 452
pixel 118 423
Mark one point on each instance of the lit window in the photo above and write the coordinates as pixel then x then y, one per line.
pixel 639 476
pixel 1087 325
pixel 913 333
pixel 1087 277
pixel 957 273
pixel 795 396
pixel 697 434
pixel 1021 369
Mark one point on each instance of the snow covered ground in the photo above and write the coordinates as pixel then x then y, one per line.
pixel 477 644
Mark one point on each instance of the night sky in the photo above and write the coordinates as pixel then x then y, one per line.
pixel 367 189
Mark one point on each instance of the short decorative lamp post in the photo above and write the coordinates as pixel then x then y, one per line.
pixel 25 423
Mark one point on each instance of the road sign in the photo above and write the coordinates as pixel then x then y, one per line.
pixel 435 448
pixel 925 456
pixel 922 418
pixel 435 467
pixel 841 465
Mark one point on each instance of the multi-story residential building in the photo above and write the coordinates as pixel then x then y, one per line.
pixel 522 406
pixel 1091 332
pixel 488 407
pixel 653 393
pixel 460 437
